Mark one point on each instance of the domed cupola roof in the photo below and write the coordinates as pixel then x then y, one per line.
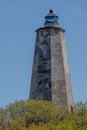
pixel 51 19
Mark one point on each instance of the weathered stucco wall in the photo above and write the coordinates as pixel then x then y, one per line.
pixel 50 73
pixel 57 69
pixel 41 73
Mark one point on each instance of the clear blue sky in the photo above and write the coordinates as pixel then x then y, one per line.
pixel 18 21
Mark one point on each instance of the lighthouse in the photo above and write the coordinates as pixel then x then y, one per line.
pixel 50 72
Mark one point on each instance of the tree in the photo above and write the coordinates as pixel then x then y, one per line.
pixel 42 115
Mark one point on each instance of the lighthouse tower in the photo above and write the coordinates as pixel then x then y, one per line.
pixel 50 73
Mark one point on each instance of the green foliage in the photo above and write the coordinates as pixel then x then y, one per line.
pixel 42 115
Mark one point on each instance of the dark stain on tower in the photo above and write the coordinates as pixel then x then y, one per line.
pixel 50 74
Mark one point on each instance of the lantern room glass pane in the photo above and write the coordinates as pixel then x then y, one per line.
pixel 51 19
